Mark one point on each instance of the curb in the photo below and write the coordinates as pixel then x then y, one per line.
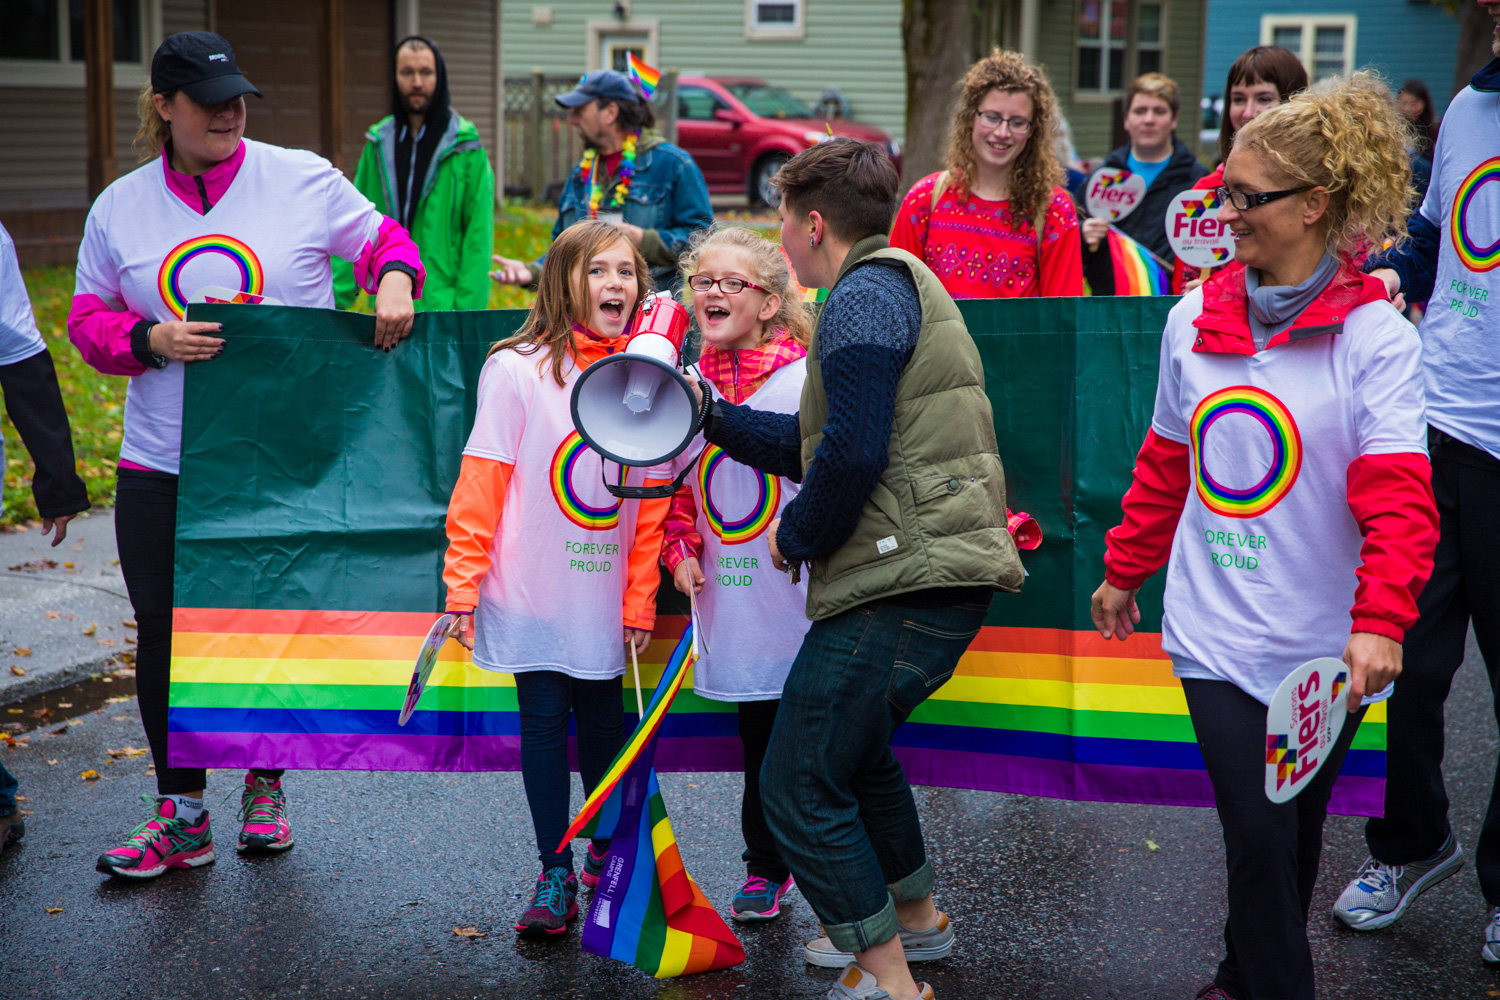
pixel 21 688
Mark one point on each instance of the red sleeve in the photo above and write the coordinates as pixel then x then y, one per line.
pixel 680 538
pixel 473 517
pixel 392 250
pixel 1140 544
pixel 1391 498
pixel 910 231
pixel 102 335
pixel 1062 253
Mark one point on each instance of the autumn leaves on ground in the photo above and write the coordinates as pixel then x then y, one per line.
pixel 96 403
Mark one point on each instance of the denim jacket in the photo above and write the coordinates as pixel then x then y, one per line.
pixel 667 198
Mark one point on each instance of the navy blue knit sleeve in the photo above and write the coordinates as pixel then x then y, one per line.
pixel 1416 261
pixel 866 337
pixel 761 439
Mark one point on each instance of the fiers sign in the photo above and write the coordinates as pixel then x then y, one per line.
pixel 1114 193
pixel 1195 232
pixel 1303 722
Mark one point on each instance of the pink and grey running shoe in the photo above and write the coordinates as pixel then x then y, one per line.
pixel 163 841
pixel 593 866
pixel 553 904
pixel 264 828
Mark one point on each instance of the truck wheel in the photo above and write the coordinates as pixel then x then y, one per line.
pixel 762 195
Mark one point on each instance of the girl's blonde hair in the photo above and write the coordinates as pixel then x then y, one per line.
pixel 1037 170
pixel 768 267
pixel 1348 136
pixel 154 131
pixel 562 295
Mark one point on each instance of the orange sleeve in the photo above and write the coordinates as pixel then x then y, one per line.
pixel 643 575
pixel 473 517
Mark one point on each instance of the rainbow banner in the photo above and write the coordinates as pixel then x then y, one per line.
pixel 310 541
pixel 642 74
pixel 1137 271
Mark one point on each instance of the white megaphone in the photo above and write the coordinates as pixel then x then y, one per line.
pixel 636 408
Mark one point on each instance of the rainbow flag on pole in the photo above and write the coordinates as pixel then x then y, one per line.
pixel 647 910
pixel 646 76
pixel 1137 271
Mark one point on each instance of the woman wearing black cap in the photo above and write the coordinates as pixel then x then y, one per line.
pixel 221 212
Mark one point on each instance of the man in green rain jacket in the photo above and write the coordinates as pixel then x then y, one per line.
pixel 423 166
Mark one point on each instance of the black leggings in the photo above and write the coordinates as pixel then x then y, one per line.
pixel 145 531
pixel 1271 850
pixel 757 719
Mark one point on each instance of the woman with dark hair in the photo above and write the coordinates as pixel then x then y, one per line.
pixel 1260 79
pixel 1415 102
pixel 218 210
pixel 997 223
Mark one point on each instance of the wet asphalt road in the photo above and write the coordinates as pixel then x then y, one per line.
pixel 1052 900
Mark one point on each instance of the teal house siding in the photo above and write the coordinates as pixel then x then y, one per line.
pixel 852 45
pixel 1401 39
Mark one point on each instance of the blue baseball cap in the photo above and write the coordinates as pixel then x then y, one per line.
pixel 601 84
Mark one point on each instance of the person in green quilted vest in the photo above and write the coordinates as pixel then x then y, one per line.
pixel 900 527
pixel 423 165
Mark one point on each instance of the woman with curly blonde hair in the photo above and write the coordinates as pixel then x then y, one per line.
pixel 997 223
pixel 1285 484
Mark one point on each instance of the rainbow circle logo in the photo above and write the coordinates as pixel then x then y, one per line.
pixel 169 278
pixel 1475 258
pixel 1286 451
pixel 564 463
pixel 762 512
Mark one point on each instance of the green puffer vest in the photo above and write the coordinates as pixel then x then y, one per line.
pixel 936 518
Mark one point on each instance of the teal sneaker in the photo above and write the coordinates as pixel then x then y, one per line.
pixel 759 899
pixel 553 904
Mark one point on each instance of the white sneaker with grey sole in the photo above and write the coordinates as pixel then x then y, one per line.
pixel 1380 893
pixel 857 984
pixel 920 946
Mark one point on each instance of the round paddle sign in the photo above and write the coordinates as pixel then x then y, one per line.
pixel 1303 722
pixel 1194 230
pixel 1114 193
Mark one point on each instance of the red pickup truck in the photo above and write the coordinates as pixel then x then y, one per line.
pixel 740 130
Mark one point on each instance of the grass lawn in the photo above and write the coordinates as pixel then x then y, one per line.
pixel 96 403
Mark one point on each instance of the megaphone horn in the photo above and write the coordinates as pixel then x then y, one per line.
pixel 636 408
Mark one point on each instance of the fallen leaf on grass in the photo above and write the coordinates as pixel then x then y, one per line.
pixel 127 751
pixel 54 909
pixel 90 775
pixel 468 932
pixel 1152 845
pixel 18 671
pixel 91 629
pixel 24 651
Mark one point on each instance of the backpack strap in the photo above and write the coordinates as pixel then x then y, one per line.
pixel 938 187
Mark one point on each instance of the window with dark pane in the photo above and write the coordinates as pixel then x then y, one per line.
pixel 127 17
pixel 776 14
pixel 30 30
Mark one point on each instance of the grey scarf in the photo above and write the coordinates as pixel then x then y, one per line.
pixel 1276 307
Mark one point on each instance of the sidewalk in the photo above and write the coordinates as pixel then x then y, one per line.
pixel 67 606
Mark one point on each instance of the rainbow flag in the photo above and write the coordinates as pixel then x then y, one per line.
pixel 308 572
pixel 647 77
pixel 1137 271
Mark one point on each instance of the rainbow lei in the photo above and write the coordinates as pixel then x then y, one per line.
pixel 622 183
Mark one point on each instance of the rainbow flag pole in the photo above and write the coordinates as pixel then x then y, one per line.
pixel 648 77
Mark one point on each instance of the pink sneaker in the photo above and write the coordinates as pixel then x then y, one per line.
pixel 162 842
pixel 593 866
pixel 265 829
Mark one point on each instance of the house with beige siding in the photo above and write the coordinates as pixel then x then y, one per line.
pixel 1090 48
pixel 323 66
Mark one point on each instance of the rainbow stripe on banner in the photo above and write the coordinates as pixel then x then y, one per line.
pixel 1137 271
pixel 1039 711
pixel 645 75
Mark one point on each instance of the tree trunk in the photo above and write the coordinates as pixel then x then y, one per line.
pixel 938 38
pixel 1475 31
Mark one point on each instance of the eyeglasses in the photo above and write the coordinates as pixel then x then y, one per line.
pixel 1244 201
pixel 729 286
pixel 994 119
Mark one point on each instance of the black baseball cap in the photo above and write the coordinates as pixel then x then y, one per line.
pixel 201 65
pixel 601 84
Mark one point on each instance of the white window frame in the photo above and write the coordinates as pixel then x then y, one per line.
pixel 596 30
pixel 797 30
pixel 1105 46
pixel 1309 24
pixel 63 72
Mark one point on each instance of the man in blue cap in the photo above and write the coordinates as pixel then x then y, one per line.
pixel 629 174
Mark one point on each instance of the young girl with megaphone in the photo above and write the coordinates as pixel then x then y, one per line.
pixel 755 331
pixel 557 568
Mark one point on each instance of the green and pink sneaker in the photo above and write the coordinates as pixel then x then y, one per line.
pixel 163 841
pixel 264 828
